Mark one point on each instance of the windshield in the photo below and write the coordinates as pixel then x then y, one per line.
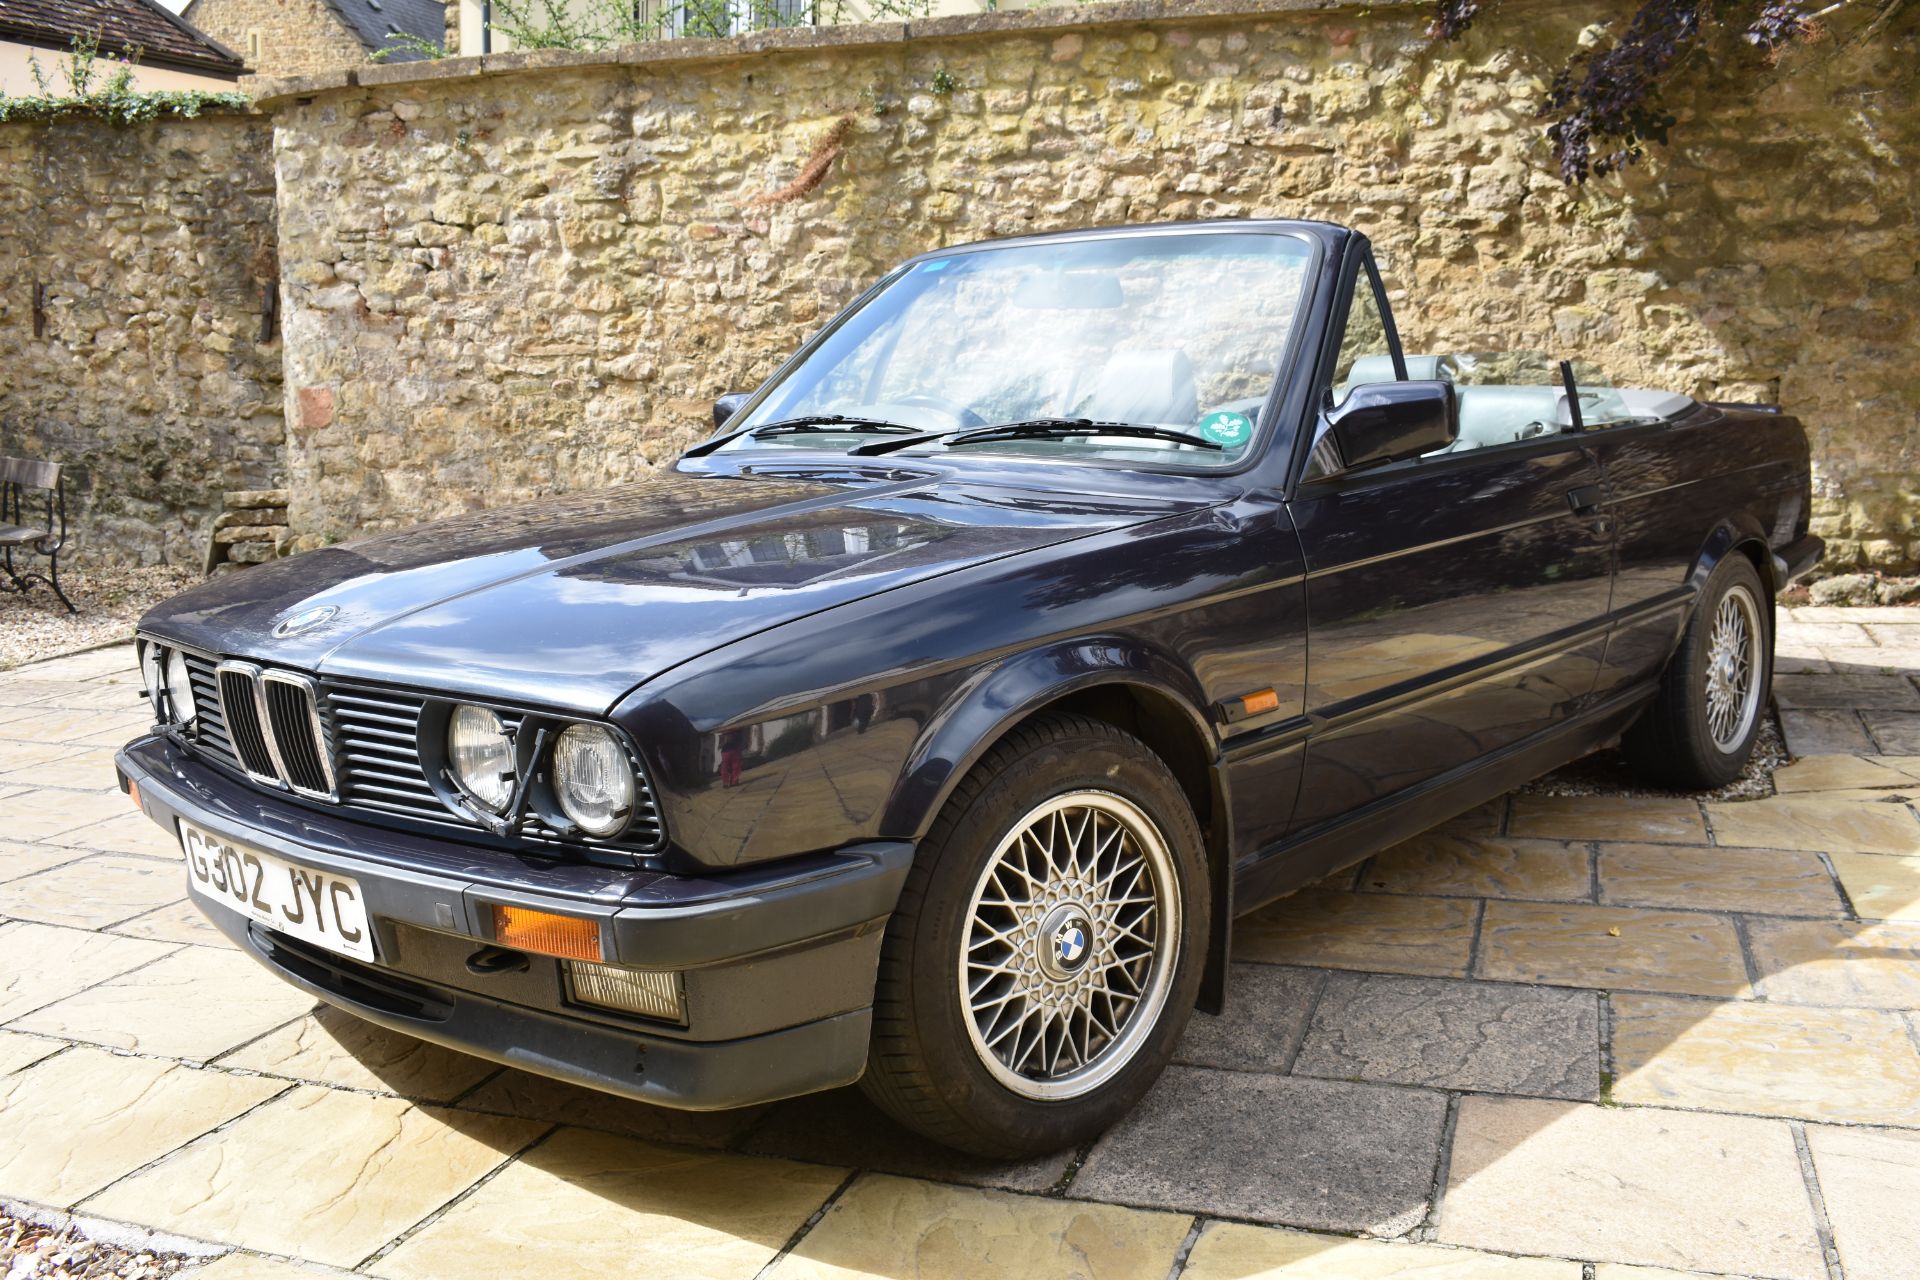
pixel 1182 332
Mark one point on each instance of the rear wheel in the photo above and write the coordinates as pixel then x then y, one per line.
pixel 1047 948
pixel 1700 729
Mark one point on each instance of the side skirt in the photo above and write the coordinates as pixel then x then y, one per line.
pixel 1323 850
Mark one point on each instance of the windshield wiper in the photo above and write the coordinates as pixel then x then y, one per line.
pixel 1036 429
pixel 824 422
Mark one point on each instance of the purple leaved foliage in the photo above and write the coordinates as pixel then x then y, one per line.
pixel 1604 106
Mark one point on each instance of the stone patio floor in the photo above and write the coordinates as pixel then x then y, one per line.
pixel 1562 1037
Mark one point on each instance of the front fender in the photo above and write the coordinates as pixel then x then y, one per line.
pixel 995 698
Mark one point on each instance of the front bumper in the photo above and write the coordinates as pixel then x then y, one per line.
pixel 778 963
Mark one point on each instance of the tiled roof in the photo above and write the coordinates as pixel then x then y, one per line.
pixel 121 25
pixel 375 21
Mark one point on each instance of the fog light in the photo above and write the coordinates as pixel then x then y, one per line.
pixel 525 929
pixel 650 994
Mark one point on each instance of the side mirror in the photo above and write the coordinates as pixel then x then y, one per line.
pixel 1382 422
pixel 728 405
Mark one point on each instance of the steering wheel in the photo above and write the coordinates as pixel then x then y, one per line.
pixel 960 413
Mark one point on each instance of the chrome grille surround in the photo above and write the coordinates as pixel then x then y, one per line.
pixel 365 743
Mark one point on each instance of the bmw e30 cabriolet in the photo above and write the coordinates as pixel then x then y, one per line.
pixel 929 723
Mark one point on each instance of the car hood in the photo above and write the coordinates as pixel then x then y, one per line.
pixel 573 601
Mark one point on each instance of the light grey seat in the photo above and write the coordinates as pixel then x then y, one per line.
pixel 1154 387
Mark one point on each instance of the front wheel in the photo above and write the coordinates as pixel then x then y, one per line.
pixel 1047 948
pixel 1700 729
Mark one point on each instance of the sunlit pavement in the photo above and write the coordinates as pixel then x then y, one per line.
pixel 1561 1032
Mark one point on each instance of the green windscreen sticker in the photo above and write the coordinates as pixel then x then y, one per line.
pixel 1227 427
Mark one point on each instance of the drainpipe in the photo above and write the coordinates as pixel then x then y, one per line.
pixel 486 26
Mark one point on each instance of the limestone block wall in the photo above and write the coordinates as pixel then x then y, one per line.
pixel 280 37
pixel 150 246
pixel 529 273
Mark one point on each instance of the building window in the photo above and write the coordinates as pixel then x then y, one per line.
pixel 253 47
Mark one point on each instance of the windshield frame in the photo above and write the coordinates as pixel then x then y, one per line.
pixel 1317 238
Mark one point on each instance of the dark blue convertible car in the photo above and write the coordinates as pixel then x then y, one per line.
pixel 929 723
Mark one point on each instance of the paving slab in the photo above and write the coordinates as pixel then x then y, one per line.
pixel 1612 948
pixel 1825 733
pixel 537 1097
pixel 197 1003
pixel 1659 1188
pixel 18 1050
pixel 1840 773
pixel 884 1226
pixel 1881 886
pixel 1238 1251
pixel 1862 690
pixel 17 859
pixel 588 1205
pixel 842 1127
pixel 18 756
pixel 42 963
pixel 1820 823
pixel 329 1046
pixel 1870 1180
pixel 1869 965
pixel 1895 732
pixel 75 1123
pixel 1854 1066
pixel 92 892
pixel 253 1266
pixel 1448 1034
pixel 1307 1153
pixel 40 813
pixel 177 922
pixel 67 725
pixel 317 1173
pixel 83 769
pixel 1483 867
pixel 1266 1014
pixel 1655 819
pixel 1758 881
pixel 127 831
pixel 1390 933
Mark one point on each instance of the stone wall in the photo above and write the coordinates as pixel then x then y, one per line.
pixel 296 37
pixel 531 273
pixel 153 245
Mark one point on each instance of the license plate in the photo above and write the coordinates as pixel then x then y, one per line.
pixel 321 907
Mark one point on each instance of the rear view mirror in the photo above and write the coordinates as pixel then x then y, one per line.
pixel 1382 422
pixel 728 405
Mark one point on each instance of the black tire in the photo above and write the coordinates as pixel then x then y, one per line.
pixel 1674 744
pixel 923 1067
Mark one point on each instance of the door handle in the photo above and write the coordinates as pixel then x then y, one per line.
pixel 1586 499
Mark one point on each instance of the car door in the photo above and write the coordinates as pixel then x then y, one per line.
pixel 1456 602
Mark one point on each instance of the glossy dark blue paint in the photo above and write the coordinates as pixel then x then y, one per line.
pixel 812 649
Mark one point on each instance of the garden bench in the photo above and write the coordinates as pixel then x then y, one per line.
pixel 23 531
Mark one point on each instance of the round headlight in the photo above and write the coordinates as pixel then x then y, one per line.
pixel 180 689
pixel 150 674
pixel 481 754
pixel 592 779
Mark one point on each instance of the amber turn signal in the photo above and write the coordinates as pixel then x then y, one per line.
pixel 525 929
pixel 1258 704
pixel 133 792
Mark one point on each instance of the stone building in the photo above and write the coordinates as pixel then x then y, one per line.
pixel 170 53
pixel 299 37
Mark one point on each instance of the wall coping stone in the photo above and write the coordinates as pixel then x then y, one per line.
pixel 268 92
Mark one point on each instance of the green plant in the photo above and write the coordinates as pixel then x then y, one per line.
pixel 944 82
pixel 113 99
pixel 399 42
pixel 599 24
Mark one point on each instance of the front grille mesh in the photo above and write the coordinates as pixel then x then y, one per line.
pixel 242 713
pixel 367 755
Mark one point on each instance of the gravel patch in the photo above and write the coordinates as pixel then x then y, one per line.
pixel 1605 773
pixel 31 1251
pixel 35 626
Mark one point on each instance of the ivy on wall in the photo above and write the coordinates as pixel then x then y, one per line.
pixel 93 91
